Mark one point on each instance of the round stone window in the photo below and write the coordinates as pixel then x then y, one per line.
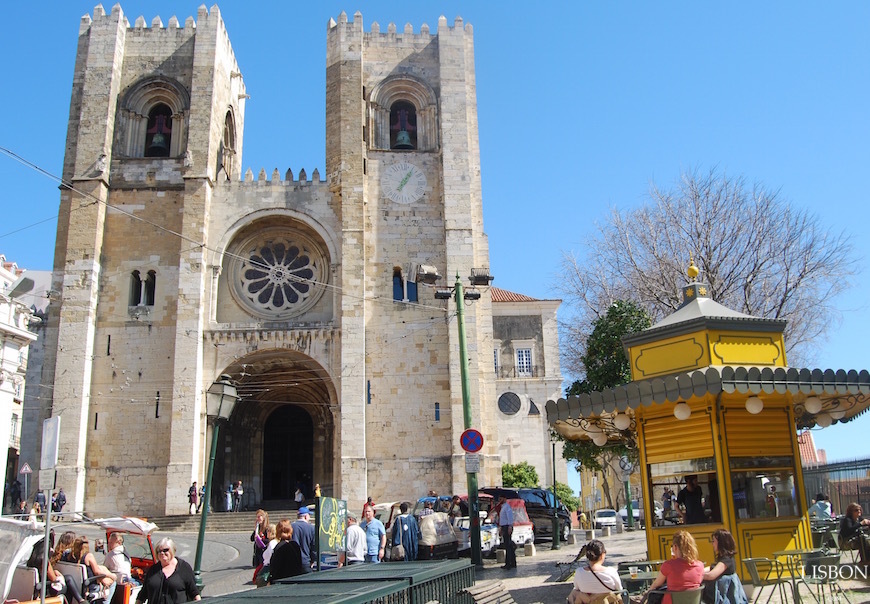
pixel 509 403
pixel 277 273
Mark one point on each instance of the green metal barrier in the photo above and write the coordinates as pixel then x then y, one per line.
pixel 325 592
pixel 440 580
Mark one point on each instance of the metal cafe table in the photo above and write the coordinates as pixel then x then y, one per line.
pixel 795 559
pixel 638 584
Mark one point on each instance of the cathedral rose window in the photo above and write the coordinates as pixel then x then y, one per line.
pixel 276 276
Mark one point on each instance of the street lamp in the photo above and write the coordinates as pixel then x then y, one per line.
pixel 220 398
pixel 556 528
pixel 479 276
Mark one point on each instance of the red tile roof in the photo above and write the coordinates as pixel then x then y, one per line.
pixel 503 295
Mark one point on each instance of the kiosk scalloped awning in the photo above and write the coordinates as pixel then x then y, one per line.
pixel 829 385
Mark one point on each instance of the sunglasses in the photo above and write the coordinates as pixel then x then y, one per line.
pixel 163 551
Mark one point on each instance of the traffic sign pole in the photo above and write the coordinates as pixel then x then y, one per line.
pixel 473 503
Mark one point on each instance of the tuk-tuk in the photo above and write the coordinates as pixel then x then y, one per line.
pixel 17 539
pixel 524 530
pixel 437 539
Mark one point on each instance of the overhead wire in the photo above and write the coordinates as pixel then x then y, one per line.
pixel 197 244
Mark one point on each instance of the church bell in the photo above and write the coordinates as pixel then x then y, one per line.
pixel 403 140
pixel 158 145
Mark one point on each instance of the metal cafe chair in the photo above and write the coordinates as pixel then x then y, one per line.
pixel 767 572
pixel 818 571
pixel 853 546
pixel 689 596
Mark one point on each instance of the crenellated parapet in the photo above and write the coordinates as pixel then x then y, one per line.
pixel 392 31
pixel 301 179
pixel 204 17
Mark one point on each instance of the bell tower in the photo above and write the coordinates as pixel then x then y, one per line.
pixel 403 161
pixel 124 341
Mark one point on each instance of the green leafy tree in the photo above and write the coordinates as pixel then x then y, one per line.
pixel 519 475
pixel 566 496
pixel 606 366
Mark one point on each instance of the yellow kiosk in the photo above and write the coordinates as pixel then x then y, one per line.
pixel 712 397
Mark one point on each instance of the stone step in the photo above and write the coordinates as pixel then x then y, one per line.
pixel 217 522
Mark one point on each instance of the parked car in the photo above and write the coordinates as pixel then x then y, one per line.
pixel 638 513
pixel 542 506
pixel 524 530
pixel 604 517
pixel 437 538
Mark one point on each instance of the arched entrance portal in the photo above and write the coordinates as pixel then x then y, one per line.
pixel 288 441
pixel 282 430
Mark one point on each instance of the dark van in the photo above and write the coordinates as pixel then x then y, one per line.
pixel 542 506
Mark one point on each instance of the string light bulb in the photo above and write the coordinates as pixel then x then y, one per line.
pixel 754 405
pixel 682 411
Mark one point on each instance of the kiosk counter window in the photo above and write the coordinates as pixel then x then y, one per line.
pixel 763 487
pixel 667 479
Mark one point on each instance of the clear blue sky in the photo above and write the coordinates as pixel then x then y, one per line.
pixel 581 107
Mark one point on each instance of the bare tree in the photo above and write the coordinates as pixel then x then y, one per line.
pixel 758 254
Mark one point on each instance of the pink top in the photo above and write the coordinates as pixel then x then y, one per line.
pixel 681 575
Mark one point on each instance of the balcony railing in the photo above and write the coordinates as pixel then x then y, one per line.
pixel 508 373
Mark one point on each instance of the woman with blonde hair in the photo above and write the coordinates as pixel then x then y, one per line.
pixel 684 571
pixel 170 579
pixel 81 553
pixel 260 540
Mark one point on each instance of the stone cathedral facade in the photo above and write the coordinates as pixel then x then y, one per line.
pixel 174 266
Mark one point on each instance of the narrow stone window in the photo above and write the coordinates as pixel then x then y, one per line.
pixel 403 290
pixel 158 135
pixel 437 412
pixel 150 287
pixel 228 147
pixel 398 285
pixel 135 288
pixel 403 125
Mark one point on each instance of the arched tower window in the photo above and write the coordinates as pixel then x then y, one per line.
pixel 227 154
pixel 158 135
pixel 403 125
pixel 403 114
pixel 152 121
pixel 150 288
pixel 403 290
pixel 135 288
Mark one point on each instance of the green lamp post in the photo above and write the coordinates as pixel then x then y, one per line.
pixel 220 399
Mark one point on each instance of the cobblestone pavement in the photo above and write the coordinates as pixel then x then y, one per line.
pixel 227 568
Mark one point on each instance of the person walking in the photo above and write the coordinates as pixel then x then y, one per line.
pixel 376 536
pixel 356 542
pixel 192 496
pixel 506 530
pixel 170 579
pixel 237 496
pixel 304 536
pixel 407 532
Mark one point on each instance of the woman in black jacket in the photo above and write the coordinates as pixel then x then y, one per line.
pixel 287 557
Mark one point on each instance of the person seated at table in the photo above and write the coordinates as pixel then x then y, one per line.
pixel 852 527
pixel 684 571
pixel 721 585
pixel 821 509
pixel 594 579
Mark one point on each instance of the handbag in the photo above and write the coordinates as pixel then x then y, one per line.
pixel 397 552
